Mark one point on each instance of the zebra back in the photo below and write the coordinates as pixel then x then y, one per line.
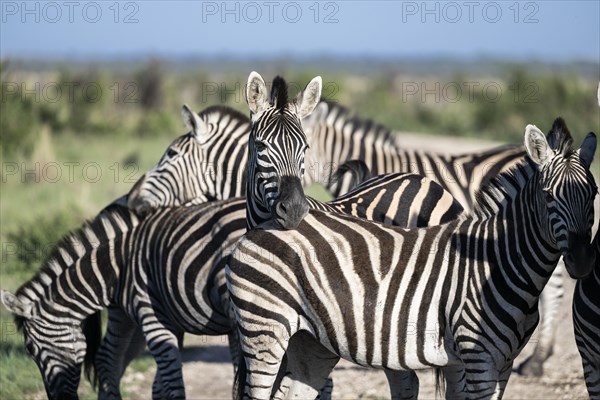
pixel 336 135
pixel 112 221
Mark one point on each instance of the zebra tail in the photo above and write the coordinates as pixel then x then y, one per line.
pixel 358 168
pixel 92 330
pixel 239 381
pixel 439 383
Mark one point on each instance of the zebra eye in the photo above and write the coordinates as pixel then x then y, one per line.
pixel 260 146
pixel 171 153
pixel 548 194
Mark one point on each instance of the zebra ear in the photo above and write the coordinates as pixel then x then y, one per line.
pixel 256 93
pixel 307 100
pixel 193 122
pixel 537 146
pixel 587 149
pixel 599 93
pixel 15 305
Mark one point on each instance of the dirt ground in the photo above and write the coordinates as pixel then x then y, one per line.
pixel 208 372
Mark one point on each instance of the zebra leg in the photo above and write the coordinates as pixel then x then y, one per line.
pixel 158 390
pixel 403 384
pixel 307 369
pixel 456 382
pixel 164 347
pixel 550 301
pixel 484 381
pixel 591 372
pixel 122 342
pixel 481 374
pixel 503 380
pixel 263 348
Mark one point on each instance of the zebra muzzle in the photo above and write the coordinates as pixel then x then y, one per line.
pixel 291 207
pixel 580 258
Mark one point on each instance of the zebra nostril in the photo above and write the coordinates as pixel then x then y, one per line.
pixel 282 208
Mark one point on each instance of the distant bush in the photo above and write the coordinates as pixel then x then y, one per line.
pixel 160 123
pixel 150 82
pixel 19 127
pixel 34 242
pixel 536 99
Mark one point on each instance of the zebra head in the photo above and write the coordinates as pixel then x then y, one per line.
pixel 57 349
pixel 567 192
pixel 199 166
pixel 276 151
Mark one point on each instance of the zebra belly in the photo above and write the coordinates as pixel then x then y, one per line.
pixel 434 353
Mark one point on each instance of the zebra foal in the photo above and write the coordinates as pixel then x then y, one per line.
pixel 467 289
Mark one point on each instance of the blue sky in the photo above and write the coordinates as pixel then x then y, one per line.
pixel 549 30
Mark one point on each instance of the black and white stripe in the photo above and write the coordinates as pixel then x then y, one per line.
pixel 208 163
pixel 276 150
pixel 57 310
pixel 463 293
pixel 336 135
pixel 163 276
pixel 586 323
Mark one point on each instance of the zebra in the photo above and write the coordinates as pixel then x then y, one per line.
pixel 55 341
pixel 463 294
pixel 276 149
pixel 268 140
pixel 190 168
pixel 586 314
pixel 142 268
pixel 15 303
pixel 336 134
pixel 208 163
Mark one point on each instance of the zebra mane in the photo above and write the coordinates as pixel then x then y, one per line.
pixel 346 117
pixel 560 139
pixel 279 93
pixel 224 110
pixel 503 188
pixel 71 245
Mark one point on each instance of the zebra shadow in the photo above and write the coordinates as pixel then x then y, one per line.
pixel 208 353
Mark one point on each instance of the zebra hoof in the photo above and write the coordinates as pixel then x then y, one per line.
pixel 531 367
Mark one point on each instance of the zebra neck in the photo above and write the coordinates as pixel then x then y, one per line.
pixel 256 213
pixel 257 208
pixel 515 244
pixel 86 286
pixel 111 223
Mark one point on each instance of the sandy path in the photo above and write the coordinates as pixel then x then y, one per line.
pixel 208 373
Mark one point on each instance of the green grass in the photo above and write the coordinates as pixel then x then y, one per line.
pixel 48 209
pixel 20 378
pixel 94 167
